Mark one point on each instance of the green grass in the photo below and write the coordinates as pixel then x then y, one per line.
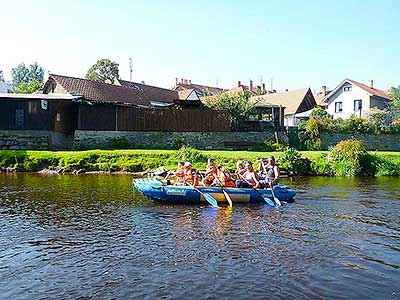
pixel 140 159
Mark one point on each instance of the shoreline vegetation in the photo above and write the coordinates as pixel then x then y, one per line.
pixel 348 158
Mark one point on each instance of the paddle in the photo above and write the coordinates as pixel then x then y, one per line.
pixel 210 199
pixel 277 201
pixel 266 199
pixel 227 197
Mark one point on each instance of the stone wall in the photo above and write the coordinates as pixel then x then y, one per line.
pixel 383 142
pixel 34 140
pixel 200 140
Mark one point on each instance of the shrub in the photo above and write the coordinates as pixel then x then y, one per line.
pixel 355 124
pixel 187 153
pixel 319 113
pixel 291 160
pixel 321 166
pixel 269 146
pixel 349 158
pixel 179 142
pixel 379 119
pixel 120 143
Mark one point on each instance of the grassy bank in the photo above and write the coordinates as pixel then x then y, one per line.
pixel 142 160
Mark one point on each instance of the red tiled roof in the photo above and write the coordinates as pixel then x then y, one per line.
pixel 101 92
pixel 199 87
pixel 152 93
pixel 373 91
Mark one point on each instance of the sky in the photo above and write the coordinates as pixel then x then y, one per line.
pixel 291 44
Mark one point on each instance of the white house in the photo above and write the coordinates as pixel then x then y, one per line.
pixel 354 98
pixel 5 87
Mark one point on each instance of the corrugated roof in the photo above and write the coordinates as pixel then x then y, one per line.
pixel 289 99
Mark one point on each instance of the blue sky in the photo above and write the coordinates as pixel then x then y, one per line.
pixel 297 43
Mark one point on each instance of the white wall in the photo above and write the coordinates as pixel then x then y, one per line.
pixel 347 99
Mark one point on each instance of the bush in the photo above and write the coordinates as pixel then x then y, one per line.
pixel 291 160
pixel 120 143
pixel 355 124
pixel 179 142
pixel 349 158
pixel 187 153
pixel 379 119
pixel 321 166
pixel 269 146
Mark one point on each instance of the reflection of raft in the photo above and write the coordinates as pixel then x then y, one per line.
pixel 155 190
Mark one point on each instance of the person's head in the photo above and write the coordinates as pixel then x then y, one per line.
pixel 181 164
pixel 239 165
pixel 221 168
pixel 249 166
pixel 210 161
pixel 188 165
pixel 271 160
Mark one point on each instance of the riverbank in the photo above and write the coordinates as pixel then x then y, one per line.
pixel 139 160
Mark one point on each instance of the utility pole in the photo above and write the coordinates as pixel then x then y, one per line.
pixel 130 69
pixel 272 84
pixel 216 83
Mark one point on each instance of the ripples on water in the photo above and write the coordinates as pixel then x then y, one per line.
pixel 88 237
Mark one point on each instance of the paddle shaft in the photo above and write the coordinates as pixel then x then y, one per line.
pixel 227 196
pixel 206 197
pixel 278 203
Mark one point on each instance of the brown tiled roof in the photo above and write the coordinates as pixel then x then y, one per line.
pixel 101 92
pixel 199 87
pixel 372 91
pixel 152 93
pixel 289 99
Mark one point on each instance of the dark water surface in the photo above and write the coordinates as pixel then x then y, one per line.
pixel 90 237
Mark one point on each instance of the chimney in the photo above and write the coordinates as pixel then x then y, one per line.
pixel 263 88
pixel 181 80
pixel 176 81
pixel 239 83
pixel 251 86
pixel 185 81
pixel 371 84
pixel 190 81
pixel 286 90
pixel 324 90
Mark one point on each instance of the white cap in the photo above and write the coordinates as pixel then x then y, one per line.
pixel 188 164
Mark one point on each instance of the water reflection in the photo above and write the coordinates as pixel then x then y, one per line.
pixel 91 236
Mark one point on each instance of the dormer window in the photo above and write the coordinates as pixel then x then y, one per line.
pixel 347 88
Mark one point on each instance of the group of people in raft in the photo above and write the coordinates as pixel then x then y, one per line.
pixel 245 175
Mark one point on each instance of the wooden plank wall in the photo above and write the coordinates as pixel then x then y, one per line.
pixel 160 119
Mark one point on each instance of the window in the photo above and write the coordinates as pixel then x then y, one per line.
pixel 338 107
pixel 357 105
pixel 347 88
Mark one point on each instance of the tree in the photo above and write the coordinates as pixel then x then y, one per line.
pixel 28 87
pixel 319 113
pixel 238 106
pixel 21 73
pixel 102 70
pixel 1 76
pixel 395 103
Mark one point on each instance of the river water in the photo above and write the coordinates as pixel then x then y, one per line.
pixel 92 237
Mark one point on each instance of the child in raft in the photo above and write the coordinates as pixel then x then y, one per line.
pixel 270 172
pixel 223 177
pixel 179 175
pixel 211 173
pixel 190 175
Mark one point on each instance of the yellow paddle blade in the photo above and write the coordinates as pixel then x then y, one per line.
pixel 228 198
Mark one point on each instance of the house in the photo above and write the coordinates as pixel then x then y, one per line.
pixel 254 90
pixel 5 87
pixel 295 102
pixel 68 104
pixel 200 90
pixel 354 98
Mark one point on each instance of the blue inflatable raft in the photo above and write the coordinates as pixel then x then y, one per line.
pixel 155 190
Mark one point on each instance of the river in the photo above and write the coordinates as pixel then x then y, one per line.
pixel 92 237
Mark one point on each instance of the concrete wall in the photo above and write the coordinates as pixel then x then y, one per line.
pixel 34 140
pixel 200 140
pixel 384 142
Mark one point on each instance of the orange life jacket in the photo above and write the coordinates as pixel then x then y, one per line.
pixel 211 172
pixel 180 176
pixel 225 179
pixel 191 177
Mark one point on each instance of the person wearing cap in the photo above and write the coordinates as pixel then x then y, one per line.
pixel 190 174
pixel 211 173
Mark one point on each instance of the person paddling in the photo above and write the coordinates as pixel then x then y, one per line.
pixel 272 172
pixel 224 177
pixel 249 178
pixel 190 175
pixel 179 175
pixel 211 173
